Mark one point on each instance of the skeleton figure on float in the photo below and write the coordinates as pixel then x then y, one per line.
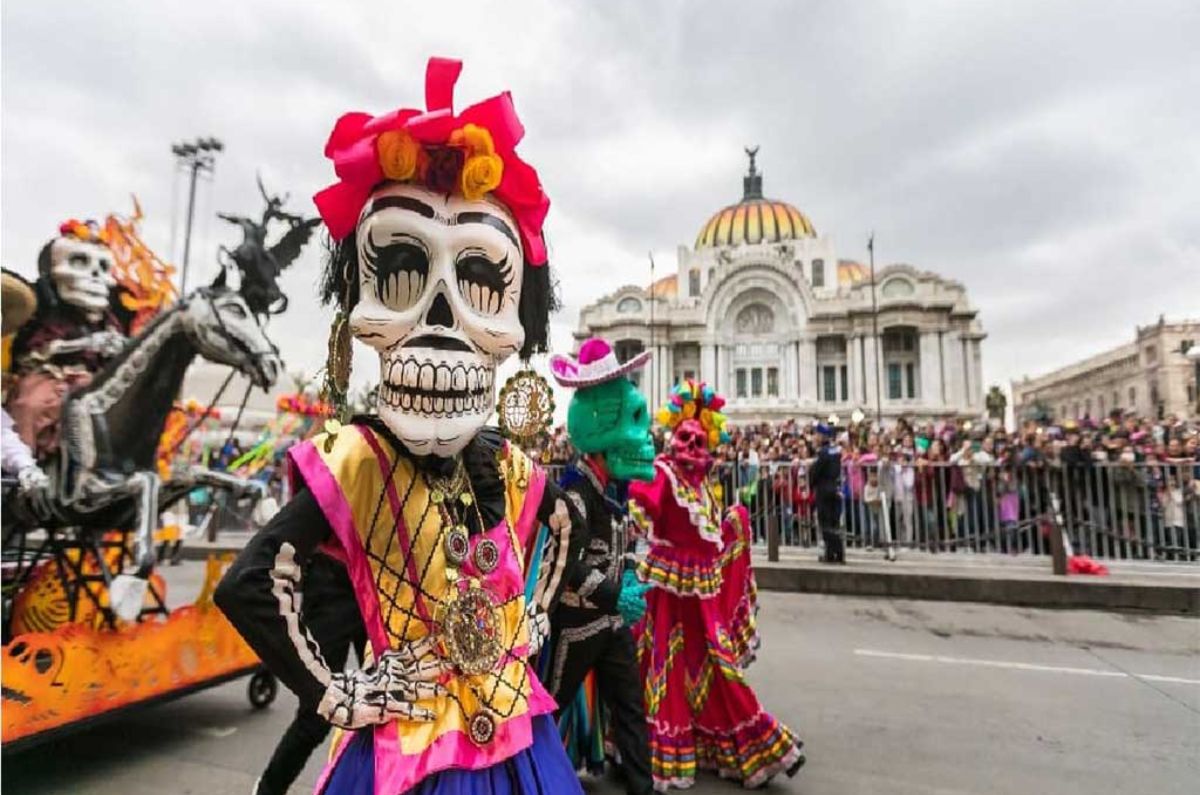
pixel 71 336
pixel 423 525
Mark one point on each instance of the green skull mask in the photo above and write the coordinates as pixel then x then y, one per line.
pixel 611 418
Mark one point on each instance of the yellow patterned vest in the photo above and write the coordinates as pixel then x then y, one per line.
pixel 390 535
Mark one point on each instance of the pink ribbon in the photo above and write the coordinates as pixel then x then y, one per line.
pixel 352 148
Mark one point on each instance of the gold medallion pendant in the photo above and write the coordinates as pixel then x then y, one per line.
pixel 470 627
pixel 525 408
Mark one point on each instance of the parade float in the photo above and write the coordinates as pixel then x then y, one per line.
pixel 95 355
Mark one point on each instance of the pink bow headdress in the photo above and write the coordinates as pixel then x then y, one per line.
pixel 473 152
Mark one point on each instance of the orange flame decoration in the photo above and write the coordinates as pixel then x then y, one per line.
pixel 55 678
pixel 179 419
pixel 143 278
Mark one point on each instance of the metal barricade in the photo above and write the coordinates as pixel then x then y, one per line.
pixel 1147 511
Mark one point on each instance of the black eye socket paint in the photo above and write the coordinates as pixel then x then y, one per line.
pixel 483 282
pixel 400 270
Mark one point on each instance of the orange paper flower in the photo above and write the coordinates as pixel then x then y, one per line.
pixel 480 176
pixel 398 155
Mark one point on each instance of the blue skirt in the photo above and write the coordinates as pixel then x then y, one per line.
pixel 543 767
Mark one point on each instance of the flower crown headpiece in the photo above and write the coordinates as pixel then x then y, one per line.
pixel 87 231
pixel 695 400
pixel 473 152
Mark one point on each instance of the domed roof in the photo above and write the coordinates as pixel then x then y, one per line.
pixel 754 219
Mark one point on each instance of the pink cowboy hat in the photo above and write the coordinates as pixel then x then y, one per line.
pixel 596 364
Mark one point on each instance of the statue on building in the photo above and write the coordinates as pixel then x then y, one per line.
pixel 260 264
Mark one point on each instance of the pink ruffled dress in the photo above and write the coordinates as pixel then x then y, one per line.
pixel 697 638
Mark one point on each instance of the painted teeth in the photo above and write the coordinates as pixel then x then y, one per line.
pixel 438 390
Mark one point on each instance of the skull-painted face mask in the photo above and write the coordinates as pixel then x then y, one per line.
pixel 689 449
pixel 82 274
pixel 611 418
pixel 439 288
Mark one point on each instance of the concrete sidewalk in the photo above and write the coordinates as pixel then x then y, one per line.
pixel 1024 580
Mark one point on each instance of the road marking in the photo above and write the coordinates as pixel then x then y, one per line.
pixel 1020 666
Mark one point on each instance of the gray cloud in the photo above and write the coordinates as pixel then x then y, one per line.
pixel 1043 153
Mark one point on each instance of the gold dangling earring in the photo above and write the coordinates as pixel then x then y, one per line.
pixel 338 360
pixel 525 406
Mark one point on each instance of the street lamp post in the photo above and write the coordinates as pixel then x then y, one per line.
pixel 198 156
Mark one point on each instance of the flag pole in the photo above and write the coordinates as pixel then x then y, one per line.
pixel 653 353
pixel 875 333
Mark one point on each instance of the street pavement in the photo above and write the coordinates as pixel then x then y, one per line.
pixel 890 696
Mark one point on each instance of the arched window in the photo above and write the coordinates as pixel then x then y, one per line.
pixel 629 304
pixel 897 288
pixel 818 273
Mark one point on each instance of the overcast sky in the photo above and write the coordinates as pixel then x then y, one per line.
pixel 1046 154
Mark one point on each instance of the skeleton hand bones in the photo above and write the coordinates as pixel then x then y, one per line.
pixel 388 691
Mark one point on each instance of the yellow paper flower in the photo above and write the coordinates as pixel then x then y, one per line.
pixel 398 155
pixel 689 410
pixel 480 176
pixel 475 139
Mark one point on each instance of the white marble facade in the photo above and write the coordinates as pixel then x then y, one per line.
pixel 762 308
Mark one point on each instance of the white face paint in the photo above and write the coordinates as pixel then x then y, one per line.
pixel 82 274
pixel 439 286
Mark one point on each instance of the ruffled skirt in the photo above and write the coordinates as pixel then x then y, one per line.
pixel 693 648
pixel 542 767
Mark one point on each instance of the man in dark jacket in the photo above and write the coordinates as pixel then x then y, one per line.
pixel 826 476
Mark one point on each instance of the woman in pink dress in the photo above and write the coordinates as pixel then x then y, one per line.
pixel 699 631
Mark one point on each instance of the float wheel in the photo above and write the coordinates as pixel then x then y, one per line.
pixel 262 689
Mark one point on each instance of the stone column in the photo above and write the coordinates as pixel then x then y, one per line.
pixel 854 362
pixel 955 378
pixel 874 377
pixel 789 387
pixel 807 364
pixel 721 381
pixel 667 369
pixel 708 362
pixel 931 370
pixel 977 373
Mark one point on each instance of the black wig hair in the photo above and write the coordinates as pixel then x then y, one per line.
pixel 339 286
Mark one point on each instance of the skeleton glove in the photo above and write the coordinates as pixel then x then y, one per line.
pixel 539 627
pixel 386 692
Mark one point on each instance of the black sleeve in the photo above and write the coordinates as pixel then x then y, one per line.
pixel 564 546
pixel 260 596
pixel 596 529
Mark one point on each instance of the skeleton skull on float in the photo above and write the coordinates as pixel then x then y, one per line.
pixel 439 289
pixel 82 274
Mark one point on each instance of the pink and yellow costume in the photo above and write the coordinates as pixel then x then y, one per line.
pixel 399 581
pixel 382 524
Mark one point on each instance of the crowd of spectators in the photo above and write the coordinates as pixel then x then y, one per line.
pixel 1122 486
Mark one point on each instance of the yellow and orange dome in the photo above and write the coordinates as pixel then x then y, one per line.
pixel 754 220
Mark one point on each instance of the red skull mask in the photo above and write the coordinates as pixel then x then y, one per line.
pixel 689 449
